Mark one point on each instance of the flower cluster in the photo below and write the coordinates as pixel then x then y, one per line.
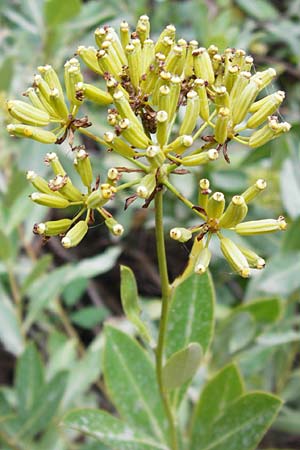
pixel 218 217
pixel 61 193
pixel 161 97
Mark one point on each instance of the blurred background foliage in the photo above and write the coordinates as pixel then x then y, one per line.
pixel 53 302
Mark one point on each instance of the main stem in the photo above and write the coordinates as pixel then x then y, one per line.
pixel 165 290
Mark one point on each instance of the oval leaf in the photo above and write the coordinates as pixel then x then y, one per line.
pixel 130 302
pixel 109 430
pixel 242 424
pixel 182 366
pixel 130 378
pixel 191 317
pixel 218 393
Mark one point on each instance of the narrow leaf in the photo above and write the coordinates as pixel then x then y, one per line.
pixel 45 407
pixel 10 333
pixel 109 430
pixel 217 394
pixel 242 424
pixel 182 366
pixel 191 317
pixel 130 378
pixel 29 379
pixel 130 302
pixel 265 310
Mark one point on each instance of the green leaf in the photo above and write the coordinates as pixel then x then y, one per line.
pixel 225 387
pixel 182 366
pixel 6 73
pixel 265 310
pixel 109 430
pixel 242 424
pixel 259 9
pixel 38 270
pixel 90 316
pixel 290 186
pixel 291 238
pixel 29 379
pixel 5 247
pixel 56 12
pixel 130 378
pixel 191 317
pixel 280 277
pixel 45 407
pixel 10 332
pixel 242 330
pixel 130 302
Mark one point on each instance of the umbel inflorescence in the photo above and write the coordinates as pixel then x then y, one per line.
pixel 161 97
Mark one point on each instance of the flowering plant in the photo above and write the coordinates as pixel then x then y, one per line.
pixel 162 97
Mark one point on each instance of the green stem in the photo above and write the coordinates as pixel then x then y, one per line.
pixel 182 198
pixel 166 295
pixel 105 144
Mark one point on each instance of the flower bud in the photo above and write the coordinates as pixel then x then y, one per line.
pixel 241 106
pixel 189 60
pixel 169 32
pixel 100 36
pixel 238 87
pixel 117 45
pixel 34 99
pixel 84 167
pixel 109 64
pixel 146 186
pixel 118 145
pixel 203 66
pixel 181 234
pixel 134 56
pixel 116 228
pixel 216 205
pixel 175 86
pixel 98 198
pixel 221 97
pixel 75 235
pixel 191 113
pixel 52 201
pixel 89 57
pixel 73 76
pixel 200 158
pixel 39 183
pixel 221 128
pixel 147 55
pixel 255 227
pixel 162 127
pixel 155 156
pixel 180 144
pixel 231 77
pixel 63 184
pixel 235 257
pixel 270 99
pixel 235 212
pixel 247 64
pixel 94 94
pixel 143 28
pixel 113 174
pixel 265 76
pixel 134 135
pixel 125 111
pixel 268 132
pixel 51 78
pixel 204 192
pixel 58 104
pixel 254 261
pixel 27 131
pixel 164 102
pixel 56 166
pixel 200 88
pixel 124 34
pixel 175 60
pixel 253 191
pixel 203 261
pixel 53 227
pixel 267 109
pixel 27 113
